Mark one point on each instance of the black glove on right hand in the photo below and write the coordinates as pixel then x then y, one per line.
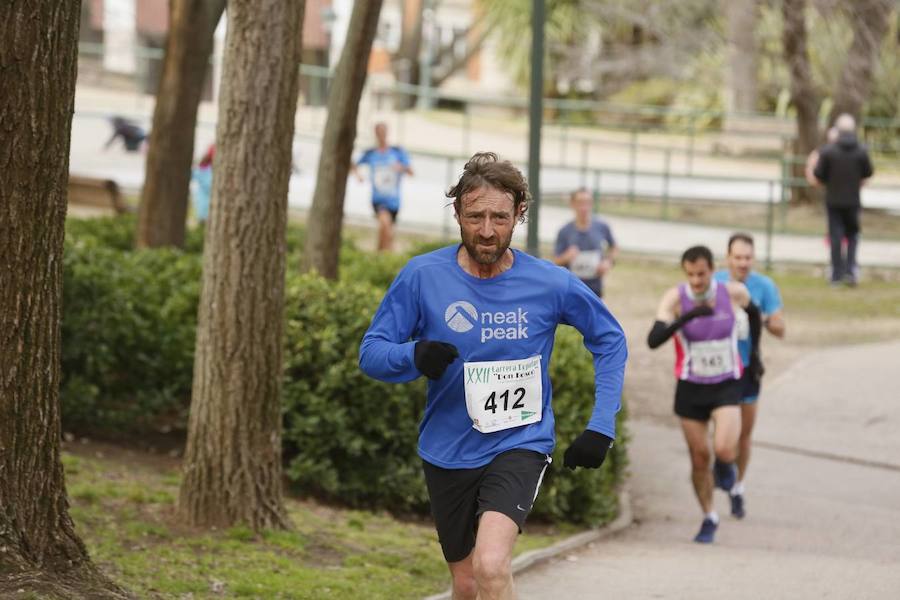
pixel 433 358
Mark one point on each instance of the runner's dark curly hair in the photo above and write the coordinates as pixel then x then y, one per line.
pixel 486 169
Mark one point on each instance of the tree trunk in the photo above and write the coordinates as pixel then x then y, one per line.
pixel 323 236
pixel 405 63
pixel 803 92
pixel 232 466
pixel 39 550
pixel 164 199
pixel 741 90
pixel 870 25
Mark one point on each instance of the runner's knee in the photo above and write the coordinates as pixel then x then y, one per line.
pixel 492 568
pixel 700 459
pixel 726 452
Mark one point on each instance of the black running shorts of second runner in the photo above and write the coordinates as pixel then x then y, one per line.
pixel 697 400
pixel 381 207
pixel 509 485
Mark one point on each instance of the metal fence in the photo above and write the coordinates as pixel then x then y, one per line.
pixel 651 162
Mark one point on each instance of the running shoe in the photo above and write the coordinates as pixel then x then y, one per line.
pixel 724 475
pixel 707 532
pixel 737 506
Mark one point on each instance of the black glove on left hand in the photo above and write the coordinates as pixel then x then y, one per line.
pixel 588 450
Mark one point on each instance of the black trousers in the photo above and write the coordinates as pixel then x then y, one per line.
pixel 843 224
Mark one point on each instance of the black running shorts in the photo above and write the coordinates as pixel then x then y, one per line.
pixel 381 207
pixel 509 485
pixel 697 400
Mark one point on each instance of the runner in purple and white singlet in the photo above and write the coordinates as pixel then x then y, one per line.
pixel 706 319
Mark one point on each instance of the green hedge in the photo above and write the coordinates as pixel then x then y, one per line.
pixel 129 320
pixel 128 330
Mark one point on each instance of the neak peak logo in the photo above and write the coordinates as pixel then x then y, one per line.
pixel 462 316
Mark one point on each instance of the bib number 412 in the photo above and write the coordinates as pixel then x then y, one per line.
pixel 490 404
pixel 503 394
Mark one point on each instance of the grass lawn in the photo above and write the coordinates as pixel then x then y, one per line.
pixel 124 507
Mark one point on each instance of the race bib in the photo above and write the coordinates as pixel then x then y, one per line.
pixel 502 394
pixel 712 358
pixel 385 179
pixel 585 265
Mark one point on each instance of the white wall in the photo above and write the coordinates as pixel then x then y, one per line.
pixel 120 36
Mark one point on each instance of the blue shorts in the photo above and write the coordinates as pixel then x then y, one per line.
pixel 749 388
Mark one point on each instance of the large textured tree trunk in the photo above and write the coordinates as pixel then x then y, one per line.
pixel 741 90
pixel 323 237
pixel 870 24
pixel 164 199
pixel 39 550
pixel 803 92
pixel 232 466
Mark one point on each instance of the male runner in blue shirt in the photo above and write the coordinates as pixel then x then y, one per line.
pixel 478 319
pixel 764 294
pixel 387 165
pixel 586 245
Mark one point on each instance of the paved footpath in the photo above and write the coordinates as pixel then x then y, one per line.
pixel 823 500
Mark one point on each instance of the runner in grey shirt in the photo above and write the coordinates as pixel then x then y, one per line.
pixel 586 245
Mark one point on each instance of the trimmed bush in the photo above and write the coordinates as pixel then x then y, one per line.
pixel 129 324
pixel 347 437
pixel 128 331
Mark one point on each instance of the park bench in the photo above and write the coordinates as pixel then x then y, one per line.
pixel 96 192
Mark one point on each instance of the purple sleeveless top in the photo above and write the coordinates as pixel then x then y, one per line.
pixel 706 347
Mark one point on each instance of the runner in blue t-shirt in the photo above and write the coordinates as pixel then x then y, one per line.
pixel 765 295
pixel 478 319
pixel 387 165
pixel 586 246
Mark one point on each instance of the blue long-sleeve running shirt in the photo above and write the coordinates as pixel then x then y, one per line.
pixel 509 319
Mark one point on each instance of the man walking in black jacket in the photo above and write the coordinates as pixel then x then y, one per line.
pixel 843 168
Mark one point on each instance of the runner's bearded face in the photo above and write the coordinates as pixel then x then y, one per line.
pixel 699 275
pixel 740 260
pixel 486 222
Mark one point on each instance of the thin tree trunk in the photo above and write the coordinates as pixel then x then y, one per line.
pixel 323 237
pixel 164 199
pixel 803 92
pixel 741 73
pixel 39 549
pixel 870 25
pixel 232 466
pixel 405 63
